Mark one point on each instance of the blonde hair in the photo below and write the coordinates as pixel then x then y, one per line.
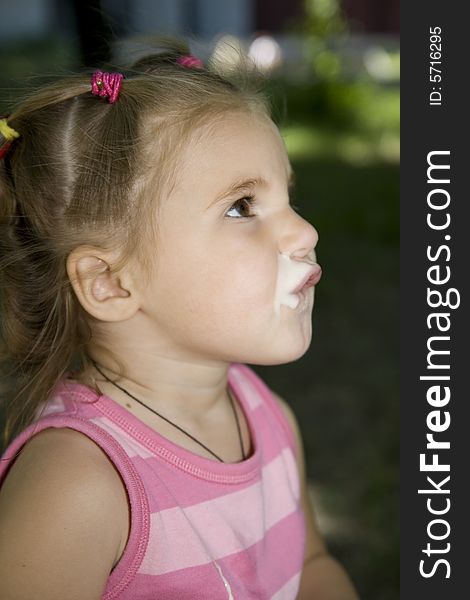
pixel 80 174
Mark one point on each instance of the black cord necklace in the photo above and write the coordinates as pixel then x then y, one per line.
pixel 174 424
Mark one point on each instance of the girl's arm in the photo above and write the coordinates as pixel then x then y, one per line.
pixel 59 530
pixel 323 578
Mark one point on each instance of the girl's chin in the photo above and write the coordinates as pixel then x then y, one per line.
pixel 287 352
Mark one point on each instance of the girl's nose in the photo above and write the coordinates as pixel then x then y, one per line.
pixel 298 238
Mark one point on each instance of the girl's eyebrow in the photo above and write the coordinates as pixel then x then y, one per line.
pixel 244 185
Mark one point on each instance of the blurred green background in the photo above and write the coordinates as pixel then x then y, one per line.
pixel 341 127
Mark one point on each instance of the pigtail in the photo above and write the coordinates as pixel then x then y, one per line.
pixel 40 322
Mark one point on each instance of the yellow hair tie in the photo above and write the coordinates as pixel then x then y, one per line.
pixel 8 132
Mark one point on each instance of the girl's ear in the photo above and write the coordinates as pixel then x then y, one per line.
pixel 105 295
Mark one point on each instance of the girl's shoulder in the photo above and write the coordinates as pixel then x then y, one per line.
pixel 64 456
pixel 63 508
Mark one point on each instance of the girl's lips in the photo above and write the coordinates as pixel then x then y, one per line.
pixel 310 279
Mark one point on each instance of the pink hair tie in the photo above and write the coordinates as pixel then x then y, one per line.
pixel 191 62
pixel 106 85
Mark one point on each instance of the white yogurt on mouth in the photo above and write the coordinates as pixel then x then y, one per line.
pixel 289 274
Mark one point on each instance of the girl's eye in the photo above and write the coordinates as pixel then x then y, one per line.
pixel 242 207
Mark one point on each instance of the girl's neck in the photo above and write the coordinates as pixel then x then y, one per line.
pixel 190 387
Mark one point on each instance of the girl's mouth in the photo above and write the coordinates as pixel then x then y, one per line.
pixel 310 279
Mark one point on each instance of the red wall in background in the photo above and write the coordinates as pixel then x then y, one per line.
pixel 274 15
pixel 371 16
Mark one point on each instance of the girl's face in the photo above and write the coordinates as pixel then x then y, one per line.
pixel 218 271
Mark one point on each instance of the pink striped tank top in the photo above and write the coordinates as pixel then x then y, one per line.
pixel 200 529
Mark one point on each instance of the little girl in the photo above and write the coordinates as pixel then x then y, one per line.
pixel 148 250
